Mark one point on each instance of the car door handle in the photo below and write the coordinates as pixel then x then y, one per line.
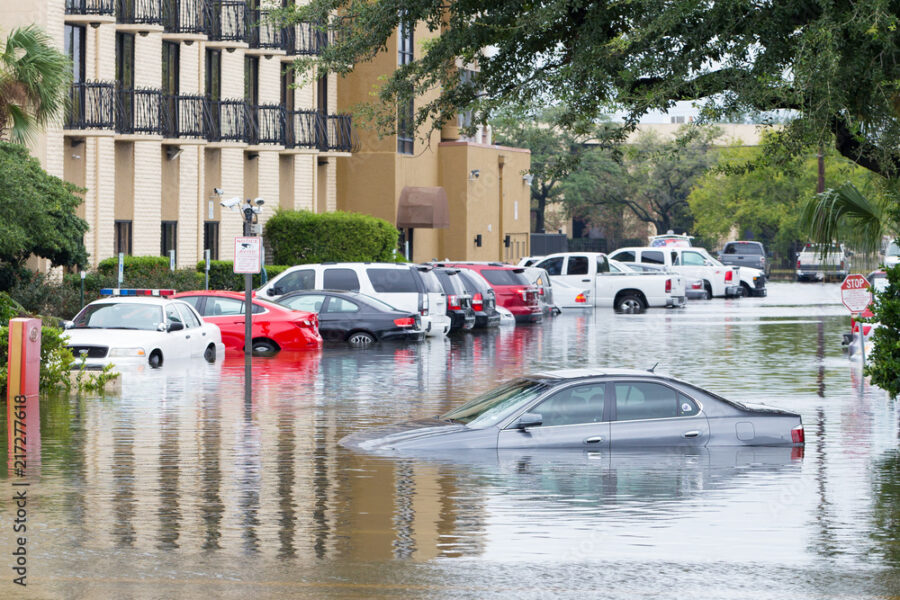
pixel 187 337
pixel 204 334
pixel 593 440
pixel 586 280
pixel 690 434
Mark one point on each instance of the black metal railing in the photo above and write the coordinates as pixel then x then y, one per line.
pixel 184 16
pixel 266 124
pixel 261 31
pixel 227 121
pixel 139 111
pixel 226 20
pixel 185 116
pixel 338 134
pixel 300 129
pixel 92 105
pixel 139 12
pixel 90 7
pixel 306 39
pixel 317 131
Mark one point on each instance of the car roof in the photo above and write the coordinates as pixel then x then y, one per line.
pixel 562 374
pixel 380 265
pixel 233 295
pixel 157 300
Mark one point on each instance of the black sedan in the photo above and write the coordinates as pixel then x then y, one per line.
pixel 459 302
pixel 356 318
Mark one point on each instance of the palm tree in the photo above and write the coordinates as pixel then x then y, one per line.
pixel 846 214
pixel 34 83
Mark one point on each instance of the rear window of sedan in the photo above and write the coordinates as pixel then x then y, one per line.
pixel 504 277
pixel 392 281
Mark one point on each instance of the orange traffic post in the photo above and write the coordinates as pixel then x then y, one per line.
pixel 22 394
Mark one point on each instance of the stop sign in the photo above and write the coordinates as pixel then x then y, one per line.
pixel 855 293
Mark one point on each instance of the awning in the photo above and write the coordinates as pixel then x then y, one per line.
pixel 424 207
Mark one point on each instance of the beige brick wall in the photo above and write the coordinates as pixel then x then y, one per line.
pixel 267 188
pixel 190 77
pixel 147 198
pixel 190 217
pixel 103 176
pixel 230 224
pixel 270 80
pixel 233 75
pixel 148 60
pixel 304 182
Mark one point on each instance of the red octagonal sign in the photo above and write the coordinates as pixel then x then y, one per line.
pixel 855 293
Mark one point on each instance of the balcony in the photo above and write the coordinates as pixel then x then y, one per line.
pixel 139 111
pixel 185 18
pixel 185 116
pixel 91 7
pixel 262 33
pixel 338 135
pixel 300 129
pixel 226 21
pixel 227 121
pixel 314 130
pixel 92 106
pixel 139 12
pixel 265 125
pixel 305 39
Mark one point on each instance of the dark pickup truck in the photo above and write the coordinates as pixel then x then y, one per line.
pixel 745 254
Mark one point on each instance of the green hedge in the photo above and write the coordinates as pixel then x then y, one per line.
pixel 135 266
pixel 300 237
pixel 223 277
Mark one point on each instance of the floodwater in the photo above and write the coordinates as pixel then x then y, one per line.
pixel 176 487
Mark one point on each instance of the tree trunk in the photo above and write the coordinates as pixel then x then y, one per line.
pixel 539 217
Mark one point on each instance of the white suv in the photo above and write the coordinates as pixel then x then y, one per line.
pixel 404 286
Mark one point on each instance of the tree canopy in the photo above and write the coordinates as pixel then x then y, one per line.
pixel 837 64
pixel 37 213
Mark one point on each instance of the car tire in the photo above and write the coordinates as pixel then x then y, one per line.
pixel 630 304
pixel 156 359
pixel 264 347
pixel 210 354
pixel 745 288
pixel 360 339
pixel 708 288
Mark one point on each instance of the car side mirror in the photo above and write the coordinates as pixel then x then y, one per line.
pixel 529 420
pixel 176 326
pixel 271 292
pixel 68 324
pixel 707 263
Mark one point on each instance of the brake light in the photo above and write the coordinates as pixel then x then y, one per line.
pixel 797 435
pixel 453 302
pixel 668 286
pixel 405 322
pixel 478 302
pixel 580 298
pixel 541 291
pixel 798 263
pixel 729 275
pixel 842 264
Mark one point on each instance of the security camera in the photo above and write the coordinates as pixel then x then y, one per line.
pixel 231 203
pixel 259 201
pixel 218 191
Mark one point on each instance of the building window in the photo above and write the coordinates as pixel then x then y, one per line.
pixel 122 237
pixel 211 239
pixel 74 44
pixel 125 60
pixel 406 109
pixel 287 89
pixel 213 74
pixel 251 80
pixel 168 237
pixel 170 68
pixel 405 43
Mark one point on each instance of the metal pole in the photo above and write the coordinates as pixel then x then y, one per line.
pixel 862 344
pixel 206 269
pixel 248 315
pixel 121 268
pixel 83 274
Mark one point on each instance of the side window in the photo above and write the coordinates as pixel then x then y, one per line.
pixel 676 259
pixel 553 266
pixel 731 249
pixel 304 279
pixel 383 280
pixel 341 279
pixel 693 259
pixel 653 257
pixel 625 256
pixel 603 265
pixel 573 406
pixel 216 307
pixel 613 268
pixel 578 265
pixel 172 314
pixel 644 400
pixel 686 406
pixel 340 305
pixel 310 303
pixel 190 320
pixel 193 301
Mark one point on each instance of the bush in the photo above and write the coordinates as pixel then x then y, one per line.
pixel 884 364
pixel 300 237
pixel 223 277
pixel 134 266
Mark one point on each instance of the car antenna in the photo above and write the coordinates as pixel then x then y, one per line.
pixel 653 368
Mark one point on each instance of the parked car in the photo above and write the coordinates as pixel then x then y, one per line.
pixel 745 254
pixel 274 327
pixel 692 263
pixel 138 326
pixel 696 290
pixel 591 409
pixel 528 261
pixel 892 255
pixel 400 285
pixel 567 297
pixel 677 280
pixel 513 290
pixel 613 284
pixel 670 238
pixel 484 301
pixel 356 318
pixel 459 301
pixel 540 279
pixel 822 262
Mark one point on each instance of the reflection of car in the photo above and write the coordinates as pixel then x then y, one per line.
pixel 892 255
pixel 355 318
pixel 591 409
pixel 274 327
pixel 140 326
pixel 484 301
pixel 567 297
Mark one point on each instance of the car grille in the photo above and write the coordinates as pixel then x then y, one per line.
pixel 89 351
pixel 761 281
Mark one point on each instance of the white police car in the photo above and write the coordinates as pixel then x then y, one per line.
pixel 140 326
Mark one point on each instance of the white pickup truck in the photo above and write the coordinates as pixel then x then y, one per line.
pixel 821 262
pixel 613 284
pixel 693 263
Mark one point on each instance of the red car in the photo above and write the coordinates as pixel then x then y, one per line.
pixel 513 290
pixel 275 327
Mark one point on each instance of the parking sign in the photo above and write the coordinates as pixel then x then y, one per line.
pixel 247 254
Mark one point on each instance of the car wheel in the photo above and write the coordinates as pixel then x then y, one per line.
pixel 210 353
pixel 708 288
pixel 630 304
pixel 360 338
pixel 156 359
pixel 745 288
pixel 264 347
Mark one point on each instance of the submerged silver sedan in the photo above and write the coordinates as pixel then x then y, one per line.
pixel 590 409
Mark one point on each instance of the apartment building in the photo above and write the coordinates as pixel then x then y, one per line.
pixel 451 196
pixel 178 104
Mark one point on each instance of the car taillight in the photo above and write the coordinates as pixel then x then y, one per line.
pixel 541 291
pixel 668 286
pixel 405 322
pixel 478 302
pixel 453 302
pixel 728 275
pixel 580 298
pixel 798 263
pixel 842 264
pixel 762 260
pixel 797 435
pixel 310 322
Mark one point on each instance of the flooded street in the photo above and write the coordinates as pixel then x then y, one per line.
pixel 178 487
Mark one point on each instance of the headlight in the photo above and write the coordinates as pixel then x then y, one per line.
pixel 127 352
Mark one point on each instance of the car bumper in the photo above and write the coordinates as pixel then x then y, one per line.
pixel 820 274
pixel 436 325
pixel 484 320
pixel 530 317
pixel 413 335
pixel 675 301
pixel 461 320
pixel 695 294
pixel 733 291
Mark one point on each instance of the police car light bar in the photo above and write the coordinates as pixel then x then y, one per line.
pixel 134 292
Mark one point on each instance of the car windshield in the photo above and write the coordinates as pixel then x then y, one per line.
pixel 119 315
pixel 893 250
pixel 494 406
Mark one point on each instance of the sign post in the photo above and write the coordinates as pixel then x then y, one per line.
pixel 856 295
